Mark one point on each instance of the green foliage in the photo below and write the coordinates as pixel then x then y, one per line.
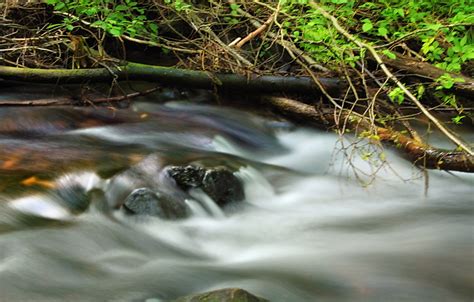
pixel 458 119
pixel 446 81
pixel 179 5
pixel 234 13
pixel 312 33
pixel 438 31
pixel 367 25
pixel 114 17
pixel 397 95
pixel 436 37
pixel 389 54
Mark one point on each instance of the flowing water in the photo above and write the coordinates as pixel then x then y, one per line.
pixel 306 231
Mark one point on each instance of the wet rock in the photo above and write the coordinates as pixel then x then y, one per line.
pixel 222 186
pixel 144 201
pixel 223 295
pixel 187 177
pixel 74 197
pixel 219 182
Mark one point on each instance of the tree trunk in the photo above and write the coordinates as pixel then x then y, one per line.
pixel 173 77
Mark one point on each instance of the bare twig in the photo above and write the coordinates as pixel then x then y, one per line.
pixel 421 154
pixel 285 44
pixel 200 26
pixel 256 32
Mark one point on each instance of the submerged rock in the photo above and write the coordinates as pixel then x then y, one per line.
pixel 219 182
pixel 74 197
pixel 144 201
pixel 223 295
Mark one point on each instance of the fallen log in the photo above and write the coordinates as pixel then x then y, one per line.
pixel 418 152
pixel 174 77
pixel 427 70
pixel 421 154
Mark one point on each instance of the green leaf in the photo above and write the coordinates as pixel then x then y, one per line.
pixel 397 95
pixel 91 11
pixel 59 6
pixel 389 54
pixel 367 26
pixel 468 55
pixel 121 7
pixel 368 5
pixel 446 81
pixel 400 12
pixel 458 119
pixel 153 28
pixel 453 67
pixel 98 23
pixel 427 45
pixel 450 99
pixel 115 32
pixel 420 91
pixel 433 26
pixel 382 31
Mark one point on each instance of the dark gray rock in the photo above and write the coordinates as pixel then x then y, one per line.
pixel 74 197
pixel 187 177
pixel 219 182
pixel 222 186
pixel 144 201
pixel 223 295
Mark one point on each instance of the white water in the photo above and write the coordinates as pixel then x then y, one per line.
pixel 310 234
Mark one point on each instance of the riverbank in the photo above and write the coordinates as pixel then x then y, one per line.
pixel 375 78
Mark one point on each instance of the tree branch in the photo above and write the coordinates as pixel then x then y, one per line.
pixel 420 154
pixel 392 77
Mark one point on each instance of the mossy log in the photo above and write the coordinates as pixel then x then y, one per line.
pixel 173 77
pixel 419 153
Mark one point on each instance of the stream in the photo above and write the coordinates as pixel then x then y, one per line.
pixel 307 230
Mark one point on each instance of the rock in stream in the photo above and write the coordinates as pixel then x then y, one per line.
pixel 144 201
pixel 223 295
pixel 218 182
